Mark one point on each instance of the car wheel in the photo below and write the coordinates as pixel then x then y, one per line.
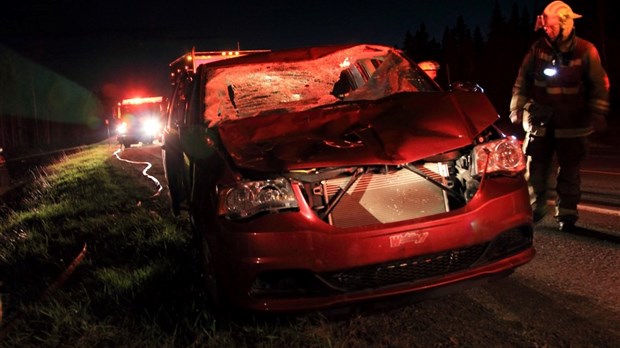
pixel 216 298
pixel 210 278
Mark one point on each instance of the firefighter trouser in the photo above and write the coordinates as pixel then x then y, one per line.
pixel 570 152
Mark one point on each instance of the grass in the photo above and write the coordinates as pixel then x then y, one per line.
pixel 91 258
pixel 123 291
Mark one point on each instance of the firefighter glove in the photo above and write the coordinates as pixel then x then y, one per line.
pixel 516 116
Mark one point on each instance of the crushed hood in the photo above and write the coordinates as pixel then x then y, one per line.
pixel 399 129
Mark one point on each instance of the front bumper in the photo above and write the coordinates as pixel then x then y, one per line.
pixel 294 261
pixel 131 138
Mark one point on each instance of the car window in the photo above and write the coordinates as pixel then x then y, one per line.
pixel 193 109
pixel 393 75
pixel 178 104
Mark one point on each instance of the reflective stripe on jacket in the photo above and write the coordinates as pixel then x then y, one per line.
pixel 577 93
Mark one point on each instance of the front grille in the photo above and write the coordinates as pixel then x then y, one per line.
pixel 295 282
pixel 387 197
pixel 407 270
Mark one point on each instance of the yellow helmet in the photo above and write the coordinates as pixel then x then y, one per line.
pixel 561 9
pixel 563 12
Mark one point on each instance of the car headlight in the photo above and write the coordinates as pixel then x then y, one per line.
pixel 151 126
pixel 122 128
pixel 500 156
pixel 252 197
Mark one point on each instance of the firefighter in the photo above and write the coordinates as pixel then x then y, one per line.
pixel 561 95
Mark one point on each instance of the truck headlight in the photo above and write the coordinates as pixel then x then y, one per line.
pixel 500 156
pixel 121 128
pixel 252 197
pixel 151 126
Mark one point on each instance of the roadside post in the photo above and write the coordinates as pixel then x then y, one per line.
pixel 5 179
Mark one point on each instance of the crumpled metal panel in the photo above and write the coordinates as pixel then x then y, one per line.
pixel 402 128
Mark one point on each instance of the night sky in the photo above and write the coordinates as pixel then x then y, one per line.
pixel 124 47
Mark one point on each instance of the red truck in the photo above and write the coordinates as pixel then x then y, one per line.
pixel 139 120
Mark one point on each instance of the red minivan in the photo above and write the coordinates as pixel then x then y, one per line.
pixel 326 176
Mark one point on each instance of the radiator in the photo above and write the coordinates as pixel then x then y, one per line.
pixel 384 198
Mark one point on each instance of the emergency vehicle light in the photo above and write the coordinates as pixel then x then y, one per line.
pixel 136 101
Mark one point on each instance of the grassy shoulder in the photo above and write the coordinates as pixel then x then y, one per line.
pixel 92 258
pixel 83 263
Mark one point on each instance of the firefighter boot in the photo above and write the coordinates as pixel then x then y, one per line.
pixel 566 219
pixel 567 224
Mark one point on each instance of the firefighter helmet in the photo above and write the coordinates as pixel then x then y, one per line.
pixel 560 11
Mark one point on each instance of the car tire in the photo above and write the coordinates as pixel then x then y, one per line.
pixel 210 278
pixel 217 300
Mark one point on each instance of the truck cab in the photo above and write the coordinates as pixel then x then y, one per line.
pixel 182 72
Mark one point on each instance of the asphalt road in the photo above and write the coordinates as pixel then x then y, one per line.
pixel 568 296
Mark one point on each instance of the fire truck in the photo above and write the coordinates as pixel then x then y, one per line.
pixel 139 120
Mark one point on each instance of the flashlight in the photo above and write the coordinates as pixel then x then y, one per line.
pixel 552 69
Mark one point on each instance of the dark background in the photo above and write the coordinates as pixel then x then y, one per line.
pixel 129 43
pixel 67 62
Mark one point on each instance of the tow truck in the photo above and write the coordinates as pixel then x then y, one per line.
pixel 186 65
pixel 139 120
